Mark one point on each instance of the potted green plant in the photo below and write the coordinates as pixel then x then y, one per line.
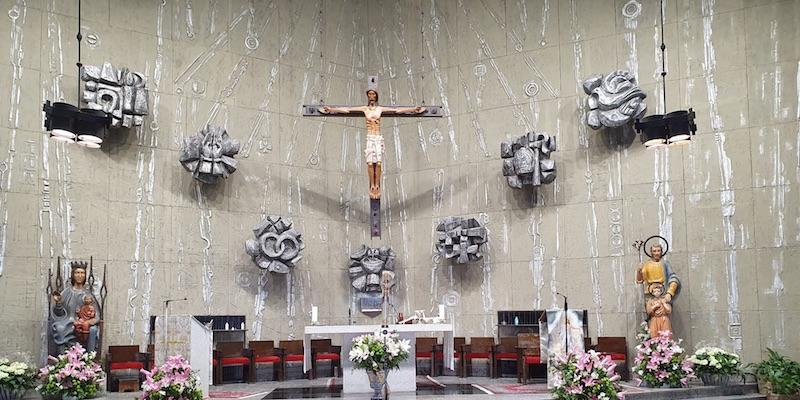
pixel 715 366
pixel 15 379
pixel 70 376
pixel 778 376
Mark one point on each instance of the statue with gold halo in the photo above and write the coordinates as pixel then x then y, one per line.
pixel 661 286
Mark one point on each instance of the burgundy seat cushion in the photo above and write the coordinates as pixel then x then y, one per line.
pixel 424 354
pixel 478 355
pixel 268 359
pixel 235 361
pixel 328 356
pixel 506 356
pixel 533 360
pixel 294 357
pixel 127 365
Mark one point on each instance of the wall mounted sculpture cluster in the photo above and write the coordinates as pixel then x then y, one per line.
pixel 366 266
pixel 277 245
pixel 526 160
pixel 614 100
pixel 118 92
pixel 461 239
pixel 208 154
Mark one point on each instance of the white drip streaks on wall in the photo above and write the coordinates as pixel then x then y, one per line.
pixel 437 73
pixel 596 296
pixel 727 197
pixel 17 14
pixel 536 264
pixel 777 289
pixel 205 235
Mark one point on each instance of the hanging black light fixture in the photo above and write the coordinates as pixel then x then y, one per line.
pixel 673 128
pixel 68 123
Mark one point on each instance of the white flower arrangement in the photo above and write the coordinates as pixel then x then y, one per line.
pixel 15 375
pixel 713 360
pixel 378 351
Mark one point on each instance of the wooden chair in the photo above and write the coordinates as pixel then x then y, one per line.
pixel 264 352
pixel 528 354
pixel 425 348
pixel 123 363
pixel 292 351
pixel 231 354
pixel 458 348
pixel 481 348
pixel 617 348
pixel 323 350
pixel 506 351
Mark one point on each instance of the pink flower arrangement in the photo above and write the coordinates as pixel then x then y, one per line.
pixel 661 361
pixel 174 381
pixel 74 373
pixel 585 376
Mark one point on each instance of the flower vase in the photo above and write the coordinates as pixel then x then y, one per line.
pixel 715 379
pixel 69 397
pixel 377 381
pixel 11 394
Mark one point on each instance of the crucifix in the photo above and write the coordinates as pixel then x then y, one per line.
pixel 373 151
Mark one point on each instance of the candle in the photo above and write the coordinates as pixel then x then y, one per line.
pixel 314 314
pixel 441 311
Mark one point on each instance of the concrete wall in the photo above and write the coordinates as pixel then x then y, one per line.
pixel 728 202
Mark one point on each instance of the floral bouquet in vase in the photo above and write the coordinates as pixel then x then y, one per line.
pixel 15 379
pixel 74 374
pixel 585 376
pixel 714 365
pixel 378 353
pixel 660 361
pixel 174 380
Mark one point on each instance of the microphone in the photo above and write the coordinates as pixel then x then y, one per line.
pixel 171 300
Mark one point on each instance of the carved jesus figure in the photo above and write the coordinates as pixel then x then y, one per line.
pixel 373 151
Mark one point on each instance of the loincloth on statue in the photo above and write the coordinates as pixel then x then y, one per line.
pixel 374 149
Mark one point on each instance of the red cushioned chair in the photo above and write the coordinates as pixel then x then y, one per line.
pixel 122 362
pixel 528 355
pixel 323 350
pixel 505 351
pixel 292 351
pixel 263 352
pixel 231 354
pixel 458 348
pixel 480 348
pixel 425 348
pixel 617 348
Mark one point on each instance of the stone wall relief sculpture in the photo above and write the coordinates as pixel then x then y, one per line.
pixel 460 239
pixel 367 266
pixel 208 154
pixel 277 246
pixel 614 100
pixel 75 310
pixel 526 160
pixel 119 92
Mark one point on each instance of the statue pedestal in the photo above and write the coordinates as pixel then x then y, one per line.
pixel 185 335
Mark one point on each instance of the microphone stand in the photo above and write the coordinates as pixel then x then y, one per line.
pixel 566 324
pixel 166 325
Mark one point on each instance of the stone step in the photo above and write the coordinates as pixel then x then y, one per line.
pixel 753 396
pixel 697 392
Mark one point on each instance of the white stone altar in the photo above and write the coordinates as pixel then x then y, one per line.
pixel 402 380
